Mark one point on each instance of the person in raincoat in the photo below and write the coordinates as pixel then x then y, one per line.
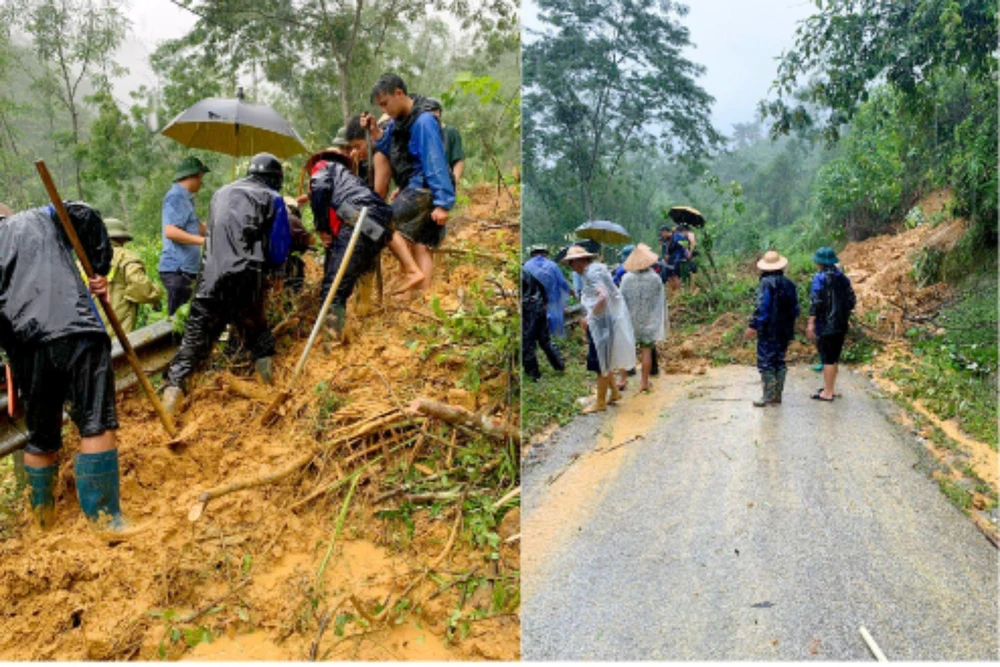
pixel 128 284
pixel 293 272
pixel 773 322
pixel 60 353
pixel 831 301
pixel 620 270
pixel 248 231
pixel 557 288
pixel 336 197
pixel 535 329
pixel 611 343
pixel 642 290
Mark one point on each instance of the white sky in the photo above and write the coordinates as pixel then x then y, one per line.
pixel 737 41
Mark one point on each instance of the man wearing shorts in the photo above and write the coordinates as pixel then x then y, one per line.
pixel 59 353
pixel 413 142
pixel 831 300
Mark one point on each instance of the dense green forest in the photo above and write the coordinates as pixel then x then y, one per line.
pixel 313 61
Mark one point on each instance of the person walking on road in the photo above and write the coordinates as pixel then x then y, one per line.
pixel 183 234
pixel 557 288
pixel 773 323
pixel 831 300
pixel 535 328
pixel 248 230
pixel 611 343
pixel 60 353
pixel 642 290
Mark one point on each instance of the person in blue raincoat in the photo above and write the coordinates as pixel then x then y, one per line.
pixel 773 322
pixel 248 230
pixel 557 288
pixel 619 271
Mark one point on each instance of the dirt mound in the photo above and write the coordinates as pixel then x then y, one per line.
pixel 403 575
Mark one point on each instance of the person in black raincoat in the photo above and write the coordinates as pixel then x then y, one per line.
pixel 773 322
pixel 248 230
pixel 59 352
pixel 336 197
pixel 535 328
pixel 831 301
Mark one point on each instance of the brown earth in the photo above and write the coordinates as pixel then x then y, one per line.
pixel 73 594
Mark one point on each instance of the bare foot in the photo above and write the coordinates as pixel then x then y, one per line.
pixel 411 281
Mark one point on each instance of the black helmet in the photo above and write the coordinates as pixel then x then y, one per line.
pixel 268 168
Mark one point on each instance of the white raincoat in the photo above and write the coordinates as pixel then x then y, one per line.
pixel 643 294
pixel 607 319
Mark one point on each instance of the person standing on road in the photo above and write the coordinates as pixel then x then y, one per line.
pixel 535 329
pixel 773 322
pixel 557 288
pixel 611 343
pixel 414 145
pixel 183 234
pixel 831 300
pixel 642 290
pixel 128 284
pixel 248 231
pixel 60 353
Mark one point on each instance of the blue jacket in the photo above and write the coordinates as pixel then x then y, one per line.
pixel 425 165
pixel 776 309
pixel 831 300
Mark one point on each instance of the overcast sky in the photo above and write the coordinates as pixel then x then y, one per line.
pixel 737 41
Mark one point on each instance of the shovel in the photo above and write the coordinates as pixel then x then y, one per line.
pixel 270 415
pixel 371 183
pixel 133 360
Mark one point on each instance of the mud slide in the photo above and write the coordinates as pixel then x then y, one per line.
pixel 387 543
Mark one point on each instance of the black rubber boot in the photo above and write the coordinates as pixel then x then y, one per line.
pixel 43 500
pixel 768 380
pixel 265 369
pixel 779 384
pixel 97 487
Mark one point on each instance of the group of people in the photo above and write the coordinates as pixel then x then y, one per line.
pixel 626 309
pixel 51 329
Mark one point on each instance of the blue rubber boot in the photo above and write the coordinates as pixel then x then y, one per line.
pixel 97 487
pixel 43 493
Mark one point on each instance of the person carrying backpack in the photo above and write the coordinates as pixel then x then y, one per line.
pixel 831 300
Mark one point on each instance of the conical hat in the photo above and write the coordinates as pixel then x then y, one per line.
pixel 577 252
pixel 772 261
pixel 640 258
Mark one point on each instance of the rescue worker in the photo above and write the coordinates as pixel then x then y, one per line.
pixel 557 288
pixel 453 152
pixel 535 328
pixel 773 322
pixel 128 284
pixel 677 253
pixel 831 300
pixel 611 342
pixel 248 230
pixel 336 197
pixel 413 143
pixel 183 234
pixel 59 352
pixel 642 291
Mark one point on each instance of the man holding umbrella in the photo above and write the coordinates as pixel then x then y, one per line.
pixel 183 234
pixel 247 229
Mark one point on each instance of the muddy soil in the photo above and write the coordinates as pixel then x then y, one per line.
pixel 242 582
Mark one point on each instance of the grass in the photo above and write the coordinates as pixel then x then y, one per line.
pixel 554 396
pixel 11 499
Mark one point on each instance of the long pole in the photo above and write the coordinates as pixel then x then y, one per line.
pixel 133 360
pixel 371 183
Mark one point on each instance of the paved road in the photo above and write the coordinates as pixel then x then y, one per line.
pixel 749 534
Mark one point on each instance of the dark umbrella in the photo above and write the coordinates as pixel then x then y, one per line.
pixel 235 127
pixel 603 231
pixel 687 215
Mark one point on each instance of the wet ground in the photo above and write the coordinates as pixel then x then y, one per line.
pixel 690 525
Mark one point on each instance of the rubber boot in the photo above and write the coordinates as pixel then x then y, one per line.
pixel 265 369
pixel 43 499
pixel 335 321
pixel 779 385
pixel 97 488
pixel 171 397
pixel 768 381
pixel 600 402
pixel 613 389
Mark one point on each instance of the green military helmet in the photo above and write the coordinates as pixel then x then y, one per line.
pixel 117 229
pixel 190 166
pixel 340 139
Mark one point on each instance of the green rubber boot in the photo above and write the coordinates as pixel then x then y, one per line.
pixel 335 321
pixel 768 380
pixel 779 384
pixel 97 487
pixel 43 493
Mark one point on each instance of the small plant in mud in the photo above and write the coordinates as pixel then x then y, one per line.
pixel 328 401
pixel 174 635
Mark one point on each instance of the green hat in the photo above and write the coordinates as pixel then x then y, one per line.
pixel 340 139
pixel 825 256
pixel 190 166
pixel 117 229
pixel 538 248
pixel 626 251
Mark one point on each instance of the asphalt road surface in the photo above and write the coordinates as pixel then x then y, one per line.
pixel 690 525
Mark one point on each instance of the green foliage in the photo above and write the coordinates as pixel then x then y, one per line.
pixel 553 398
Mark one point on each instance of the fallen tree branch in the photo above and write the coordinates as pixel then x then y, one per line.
pixel 478 254
pixel 514 493
pixel 453 414
pixel 240 485
pixel 189 618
